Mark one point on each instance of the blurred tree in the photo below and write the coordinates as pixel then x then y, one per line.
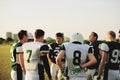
pixel 1 40
pixel 49 40
pixel 86 41
pixel 9 39
pixel 66 39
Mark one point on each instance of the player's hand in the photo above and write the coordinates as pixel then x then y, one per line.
pixel 98 77
pixel 76 69
pixel 24 71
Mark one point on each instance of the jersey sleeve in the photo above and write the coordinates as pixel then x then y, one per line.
pixel 51 51
pixel 62 47
pixel 19 49
pixel 44 49
pixel 90 50
pixel 104 47
pixel 50 47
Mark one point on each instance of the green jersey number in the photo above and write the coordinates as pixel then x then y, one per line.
pixel 76 57
pixel 29 52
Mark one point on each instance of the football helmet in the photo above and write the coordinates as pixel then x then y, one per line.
pixel 76 37
pixel 30 36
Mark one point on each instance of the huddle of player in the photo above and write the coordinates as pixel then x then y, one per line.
pixel 73 60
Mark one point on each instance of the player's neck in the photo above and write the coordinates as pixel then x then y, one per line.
pixel 21 41
pixel 112 40
pixel 38 40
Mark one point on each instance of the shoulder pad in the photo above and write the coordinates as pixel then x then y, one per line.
pixel 104 47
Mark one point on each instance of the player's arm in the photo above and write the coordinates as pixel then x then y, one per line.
pixel 102 62
pixel 21 59
pixel 103 51
pixel 91 59
pixel 60 56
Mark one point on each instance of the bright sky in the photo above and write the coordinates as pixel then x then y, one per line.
pixel 67 16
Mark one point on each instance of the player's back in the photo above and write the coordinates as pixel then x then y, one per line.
pixel 32 55
pixel 114 55
pixel 76 54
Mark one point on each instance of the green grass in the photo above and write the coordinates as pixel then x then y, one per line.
pixel 5 66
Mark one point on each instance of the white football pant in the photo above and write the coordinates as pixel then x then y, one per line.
pixel 54 71
pixel 31 76
pixel 90 73
pixel 14 75
pixel 78 78
pixel 114 75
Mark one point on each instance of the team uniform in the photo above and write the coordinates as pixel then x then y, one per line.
pixel 45 66
pixel 111 71
pixel 76 54
pixel 54 50
pixel 32 52
pixel 91 70
pixel 16 72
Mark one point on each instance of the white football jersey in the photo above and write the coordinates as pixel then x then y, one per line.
pixel 32 51
pixel 76 54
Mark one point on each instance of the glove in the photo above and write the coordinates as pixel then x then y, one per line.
pixel 64 73
pixel 98 77
pixel 76 69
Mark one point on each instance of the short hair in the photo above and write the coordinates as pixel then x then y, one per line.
pixel 59 34
pixel 39 33
pixel 119 31
pixel 112 34
pixel 95 35
pixel 21 34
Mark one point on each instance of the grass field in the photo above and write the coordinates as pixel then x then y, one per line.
pixel 5 63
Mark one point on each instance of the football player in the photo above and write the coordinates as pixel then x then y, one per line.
pixel 110 60
pixel 16 72
pixel 91 70
pixel 54 50
pixel 76 55
pixel 118 40
pixel 31 62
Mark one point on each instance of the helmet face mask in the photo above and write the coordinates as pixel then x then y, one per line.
pixel 76 37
